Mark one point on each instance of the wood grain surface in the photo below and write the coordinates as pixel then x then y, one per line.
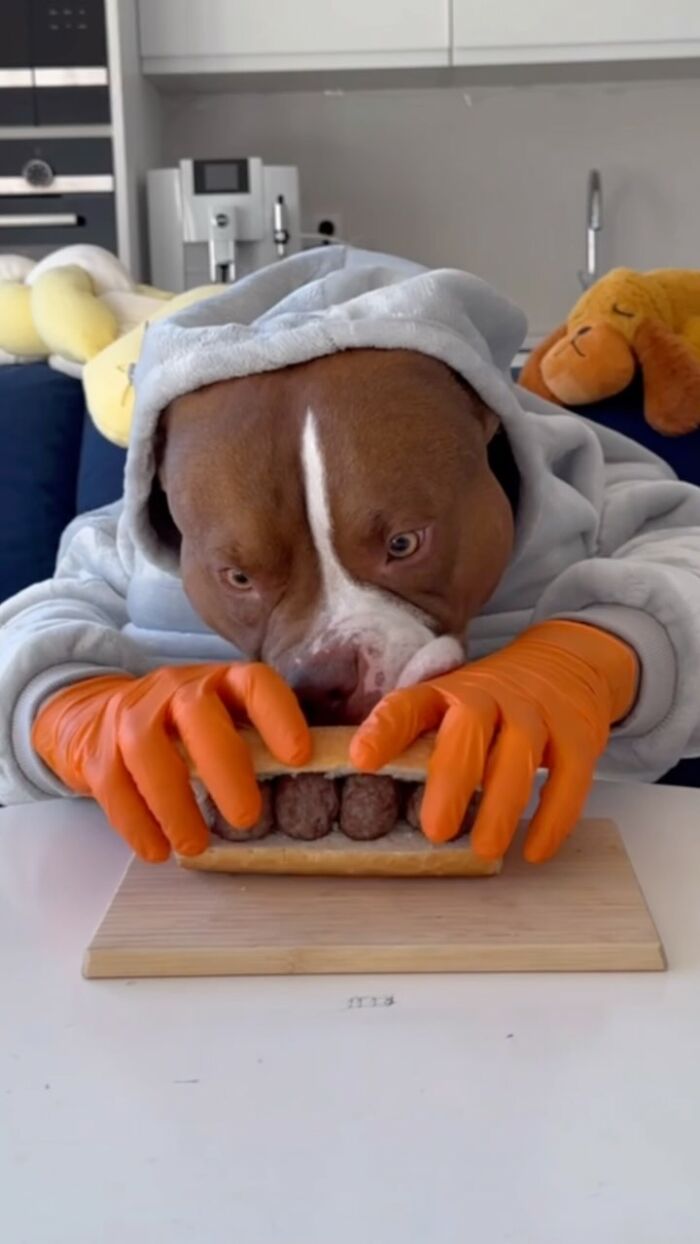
pixel 583 911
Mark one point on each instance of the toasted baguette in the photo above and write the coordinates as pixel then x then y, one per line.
pixel 404 852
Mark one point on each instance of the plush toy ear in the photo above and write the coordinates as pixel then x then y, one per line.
pixel 671 372
pixel 531 375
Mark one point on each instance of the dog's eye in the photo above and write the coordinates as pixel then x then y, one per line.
pixel 404 545
pixel 239 580
pixel 629 315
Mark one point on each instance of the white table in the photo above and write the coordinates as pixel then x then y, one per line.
pixel 498 1110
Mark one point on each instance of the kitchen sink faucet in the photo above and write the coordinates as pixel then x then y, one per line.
pixel 594 224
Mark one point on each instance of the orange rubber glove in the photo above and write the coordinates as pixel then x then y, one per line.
pixel 116 738
pixel 549 698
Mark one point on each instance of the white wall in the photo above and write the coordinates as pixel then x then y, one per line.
pixel 494 183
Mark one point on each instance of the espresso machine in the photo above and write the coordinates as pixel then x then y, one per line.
pixel 218 220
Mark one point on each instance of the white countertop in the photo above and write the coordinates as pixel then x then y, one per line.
pixel 497 1109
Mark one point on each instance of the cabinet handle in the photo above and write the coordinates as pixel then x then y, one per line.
pixel 64 183
pixel 30 221
pixel 14 79
pixel 92 75
pixel 79 75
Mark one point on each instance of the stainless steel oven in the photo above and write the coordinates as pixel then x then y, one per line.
pixel 56 191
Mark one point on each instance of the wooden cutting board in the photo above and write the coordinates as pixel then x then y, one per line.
pixel 583 911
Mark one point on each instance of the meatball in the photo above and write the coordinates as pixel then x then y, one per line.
pixel 369 806
pixel 413 806
pixel 306 806
pixel 260 829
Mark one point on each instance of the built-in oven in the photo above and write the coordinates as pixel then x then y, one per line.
pixel 53 63
pixel 56 191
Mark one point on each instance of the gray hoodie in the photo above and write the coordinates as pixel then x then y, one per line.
pixel 604 533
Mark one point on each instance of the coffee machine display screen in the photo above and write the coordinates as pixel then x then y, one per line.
pixel 221 177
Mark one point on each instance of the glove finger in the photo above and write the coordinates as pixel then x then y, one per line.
pixel 219 754
pixel 457 765
pixel 564 793
pixel 272 707
pixel 163 780
pixel 510 772
pixel 118 796
pixel 393 725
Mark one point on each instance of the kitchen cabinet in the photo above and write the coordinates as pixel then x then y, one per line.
pixel 511 32
pixel 267 35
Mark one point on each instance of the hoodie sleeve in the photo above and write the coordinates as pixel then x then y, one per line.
pixel 643 584
pixel 56 633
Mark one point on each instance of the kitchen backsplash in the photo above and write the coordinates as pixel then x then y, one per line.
pixel 492 180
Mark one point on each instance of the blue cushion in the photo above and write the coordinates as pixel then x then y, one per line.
pixel 101 473
pixel 625 413
pixel 41 423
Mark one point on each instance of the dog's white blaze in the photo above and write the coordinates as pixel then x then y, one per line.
pixel 338 587
pixel 387 633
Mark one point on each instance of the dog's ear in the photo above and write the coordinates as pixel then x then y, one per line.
pixel 671 372
pixel 483 414
pixel 159 440
pixel 159 513
pixel 531 375
pixel 489 420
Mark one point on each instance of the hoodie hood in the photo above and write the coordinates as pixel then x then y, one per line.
pixel 314 304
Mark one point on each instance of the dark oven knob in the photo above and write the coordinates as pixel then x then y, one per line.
pixel 38 173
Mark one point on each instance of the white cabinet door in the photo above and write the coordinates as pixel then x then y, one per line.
pixel 514 31
pixel 292 34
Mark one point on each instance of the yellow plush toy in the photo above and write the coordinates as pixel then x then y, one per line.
pixel 107 377
pixel 68 306
pixel 79 308
pixel 19 339
pixel 628 320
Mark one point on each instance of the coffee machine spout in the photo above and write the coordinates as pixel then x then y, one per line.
pixel 222 248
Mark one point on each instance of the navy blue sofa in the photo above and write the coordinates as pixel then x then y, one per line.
pixel 55 465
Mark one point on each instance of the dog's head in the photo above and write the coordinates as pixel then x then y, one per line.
pixel 338 520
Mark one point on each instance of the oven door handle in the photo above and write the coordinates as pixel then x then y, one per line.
pixel 30 220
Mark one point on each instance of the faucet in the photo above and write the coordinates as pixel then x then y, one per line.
pixel 594 224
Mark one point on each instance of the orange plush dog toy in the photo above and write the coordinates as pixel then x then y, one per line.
pixel 627 320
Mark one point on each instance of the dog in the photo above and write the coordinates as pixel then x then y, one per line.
pixel 341 519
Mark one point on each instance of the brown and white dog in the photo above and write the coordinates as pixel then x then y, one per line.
pixel 339 519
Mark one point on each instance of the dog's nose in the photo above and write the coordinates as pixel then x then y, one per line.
pixel 325 683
